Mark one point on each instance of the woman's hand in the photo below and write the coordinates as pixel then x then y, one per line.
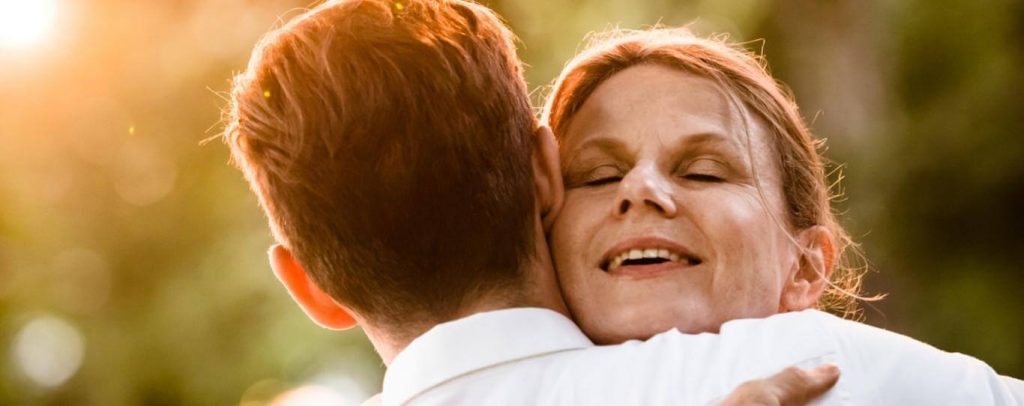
pixel 793 386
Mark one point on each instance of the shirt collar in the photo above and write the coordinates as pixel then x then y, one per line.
pixel 472 343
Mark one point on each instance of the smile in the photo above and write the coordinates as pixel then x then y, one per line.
pixel 648 256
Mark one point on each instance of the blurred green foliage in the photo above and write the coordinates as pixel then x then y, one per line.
pixel 117 223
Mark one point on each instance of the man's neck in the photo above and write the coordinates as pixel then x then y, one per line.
pixel 539 289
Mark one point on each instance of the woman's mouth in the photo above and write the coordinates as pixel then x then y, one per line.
pixel 646 257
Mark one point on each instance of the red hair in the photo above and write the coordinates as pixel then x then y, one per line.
pixel 390 146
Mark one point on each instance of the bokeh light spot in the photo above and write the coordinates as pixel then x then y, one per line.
pixel 261 392
pixel 24 23
pixel 48 350
pixel 310 395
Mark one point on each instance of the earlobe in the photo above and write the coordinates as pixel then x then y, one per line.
pixel 316 303
pixel 547 176
pixel 809 278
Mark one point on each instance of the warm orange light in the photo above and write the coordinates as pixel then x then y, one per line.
pixel 24 23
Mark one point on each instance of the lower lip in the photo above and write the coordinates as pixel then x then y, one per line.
pixel 649 271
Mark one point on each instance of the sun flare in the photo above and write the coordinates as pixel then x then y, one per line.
pixel 24 23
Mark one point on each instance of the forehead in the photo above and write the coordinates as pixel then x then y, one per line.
pixel 657 106
pixel 654 98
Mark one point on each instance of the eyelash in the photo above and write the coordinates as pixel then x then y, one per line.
pixel 697 177
pixel 602 181
pixel 701 177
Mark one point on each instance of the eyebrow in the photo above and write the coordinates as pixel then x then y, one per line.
pixel 711 142
pixel 614 147
pixel 706 138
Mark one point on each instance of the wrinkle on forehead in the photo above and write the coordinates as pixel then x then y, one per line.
pixel 660 97
pixel 663 101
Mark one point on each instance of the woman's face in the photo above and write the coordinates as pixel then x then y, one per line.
pixel 663 225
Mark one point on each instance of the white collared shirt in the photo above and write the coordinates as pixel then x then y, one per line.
pixel 530 356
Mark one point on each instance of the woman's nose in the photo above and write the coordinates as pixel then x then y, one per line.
pixel 644 188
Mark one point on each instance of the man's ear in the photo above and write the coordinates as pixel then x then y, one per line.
pixel 317 304
pixel 809 277
pixel 547 176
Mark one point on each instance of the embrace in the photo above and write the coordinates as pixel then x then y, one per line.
pixel 661 234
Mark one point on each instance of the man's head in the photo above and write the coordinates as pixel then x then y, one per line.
pixel 390 144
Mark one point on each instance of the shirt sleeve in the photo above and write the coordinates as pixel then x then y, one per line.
pixel 883 367
pixel 1016 387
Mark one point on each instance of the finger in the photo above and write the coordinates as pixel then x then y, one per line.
pixel 796 386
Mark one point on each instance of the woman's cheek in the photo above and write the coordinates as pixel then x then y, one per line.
pixel 561 239
pixel 565 239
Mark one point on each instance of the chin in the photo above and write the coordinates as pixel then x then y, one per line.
pixel 625 326
pixel 697 328
pixel 616 337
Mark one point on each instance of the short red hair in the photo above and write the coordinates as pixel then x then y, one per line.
pixel 389 143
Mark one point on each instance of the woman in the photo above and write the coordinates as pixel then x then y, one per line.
pixel 695 195
pixel 688 143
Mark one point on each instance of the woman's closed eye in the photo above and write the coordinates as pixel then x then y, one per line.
pixel 703 177
pixel 706 170
pixel 602 181
pixel 602 175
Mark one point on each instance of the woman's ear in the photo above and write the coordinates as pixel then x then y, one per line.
pixel 547 176
pixel 317 304
pixel 809 277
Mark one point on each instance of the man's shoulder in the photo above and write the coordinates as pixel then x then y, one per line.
pixel 783 335
pixel 878 364
pixel 809 319
pixel 668 368
pixel 698 368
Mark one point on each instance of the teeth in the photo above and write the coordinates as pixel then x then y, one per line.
pixel 647 253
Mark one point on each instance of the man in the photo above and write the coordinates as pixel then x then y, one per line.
pixel 395 152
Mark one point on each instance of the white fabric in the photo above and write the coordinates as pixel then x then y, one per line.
pixel 539 357
pixel 1016 386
